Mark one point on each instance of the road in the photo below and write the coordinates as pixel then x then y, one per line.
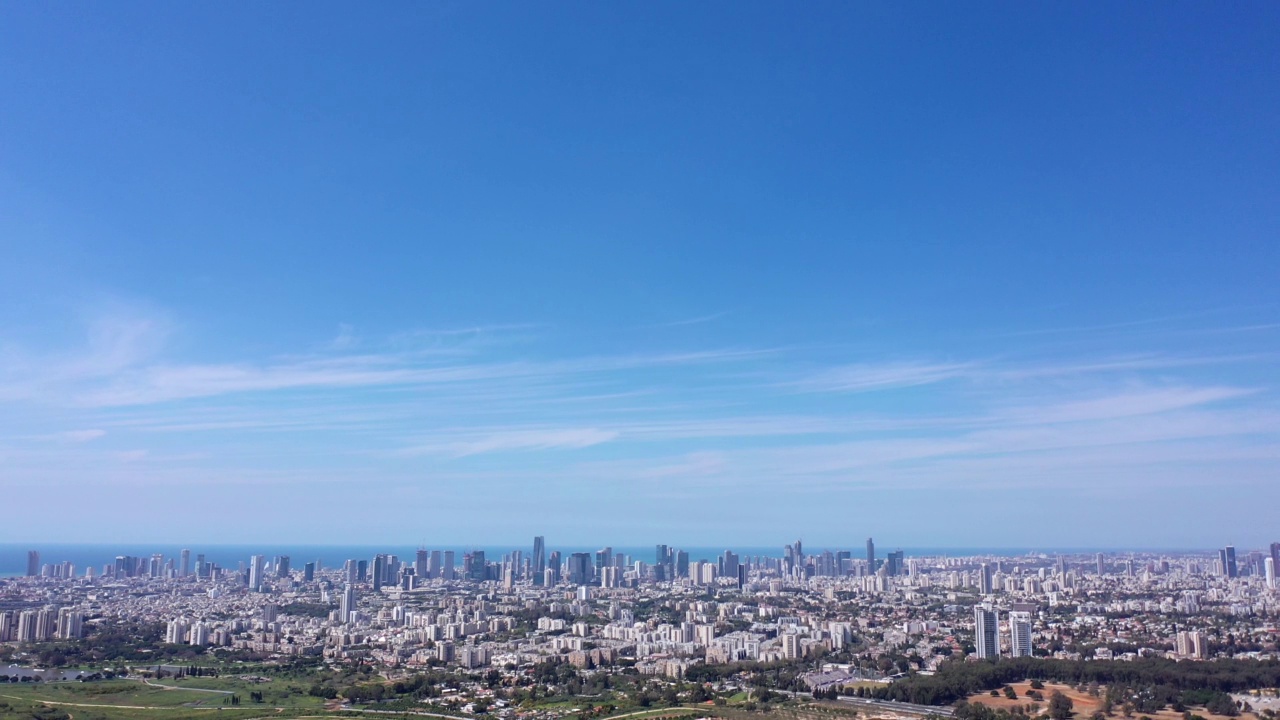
pixel 910 708
pixel 147 682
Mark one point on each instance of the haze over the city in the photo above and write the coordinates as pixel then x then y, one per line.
pixel 969 275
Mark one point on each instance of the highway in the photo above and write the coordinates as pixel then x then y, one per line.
pixel 910 708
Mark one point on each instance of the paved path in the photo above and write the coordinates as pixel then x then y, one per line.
pixel 148 683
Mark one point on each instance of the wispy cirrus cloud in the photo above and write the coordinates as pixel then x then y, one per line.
pixel 458 410
pixel 865 377
pixel 696 320
pixel 164 383
pixel 1129 403
pixel 71 436
pixel 517 440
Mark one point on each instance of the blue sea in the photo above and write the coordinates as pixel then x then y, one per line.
pixel 13 556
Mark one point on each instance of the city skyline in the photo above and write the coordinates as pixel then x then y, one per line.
pixel 427 560
pixel 691 272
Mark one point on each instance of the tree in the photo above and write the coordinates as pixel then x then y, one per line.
pixel 1060 706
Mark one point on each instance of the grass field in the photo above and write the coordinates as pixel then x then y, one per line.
pixel 175 700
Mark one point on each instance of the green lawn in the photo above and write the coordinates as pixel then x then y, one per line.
pixel 114 692
pixel 277 692
pixel 119 699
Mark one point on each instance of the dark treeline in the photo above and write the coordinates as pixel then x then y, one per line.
pixel 956 680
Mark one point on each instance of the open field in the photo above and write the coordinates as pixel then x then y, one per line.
pixel 196 698
pixel 110 700
pixel 275 692
pixel 1085 704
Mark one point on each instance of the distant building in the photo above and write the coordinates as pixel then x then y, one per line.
pixel 791 646
pixel 985 578
pixel 33 563
pixel 539 565
pixel 553 567
pixel 1191 645
pixel 177 632
pixel 70 624
pixel 257 564
pixel 198 635
pixel 579 568
pixel 347 605
pixel 1227 559
pixel 986 632
pixel 1020 633
pixel 894 563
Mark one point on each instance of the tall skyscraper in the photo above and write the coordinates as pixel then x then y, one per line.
pixel 871 555
pixel 729 564
pixel 33 563
pixel 348 602
pixel 580 568
pixel 185 568
pixel 894 563
pixel 553 565
pixel 256 565
pixel 1102 564
pixel 379 571
pixel 604 558
pixel 985 577
pixel 1269 571
pixel 478 568
pixel 447 570
pixel 1275 553
pixel 538 570
pixel 421 564
pixel 986 633
pixel 1020 633
pixel 70 624
pixel 309 572
pixel 1227 559
pixel 282 566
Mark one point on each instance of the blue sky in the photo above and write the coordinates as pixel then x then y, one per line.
pixel 973 275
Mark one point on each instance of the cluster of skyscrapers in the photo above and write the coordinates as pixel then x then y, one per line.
pixel 41 625
pixel 1257 563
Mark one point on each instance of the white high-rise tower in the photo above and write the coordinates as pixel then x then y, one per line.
pixel 1020 633
pixel 986 632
